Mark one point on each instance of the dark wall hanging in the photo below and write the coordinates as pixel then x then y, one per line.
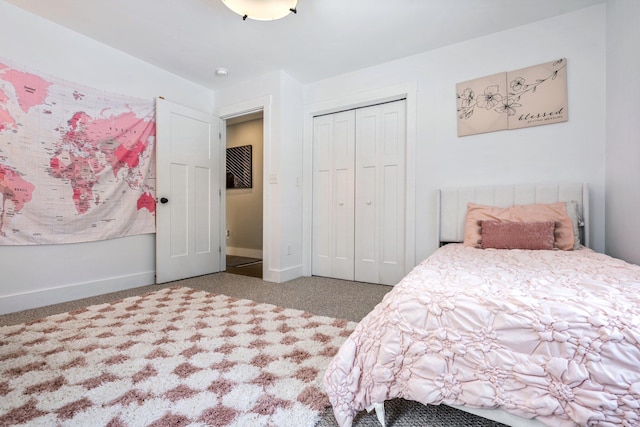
pixel 239 167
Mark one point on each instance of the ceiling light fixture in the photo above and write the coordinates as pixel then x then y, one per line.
pixel 262 10
pixel 221 72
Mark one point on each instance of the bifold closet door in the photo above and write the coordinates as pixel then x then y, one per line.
pixel 359 194
pixel 333 195
pixel 380 193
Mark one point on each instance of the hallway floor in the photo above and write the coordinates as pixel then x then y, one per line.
pixel 252 269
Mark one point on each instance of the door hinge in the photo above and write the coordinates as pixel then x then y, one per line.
pixel 219 249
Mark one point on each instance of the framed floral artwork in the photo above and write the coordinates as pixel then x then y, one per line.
pixel 479 102
pixel 537 95
pixel 531 96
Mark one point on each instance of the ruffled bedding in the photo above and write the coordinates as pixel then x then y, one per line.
pixel 548 334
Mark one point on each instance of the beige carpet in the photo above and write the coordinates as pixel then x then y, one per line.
pixel 173 357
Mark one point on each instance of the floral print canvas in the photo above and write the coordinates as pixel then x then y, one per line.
pixel 478 103
pixel 531 96
pixel 537 95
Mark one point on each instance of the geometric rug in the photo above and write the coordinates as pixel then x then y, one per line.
pixel 174 357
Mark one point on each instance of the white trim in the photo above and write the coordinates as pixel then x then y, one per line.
pixel 406 91
pixel 43 297
pixel 284 275
pixel 247 252
pixel 251 106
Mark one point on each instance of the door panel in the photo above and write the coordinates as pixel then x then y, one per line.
pixel 380 193
pixel 188 224
pixel 393 146
pixel 178 211
pixel 321 237
pixel 366 231
pixel 333 142
pixel 390 232
pixel 322 211
pixel 343 248
pixel 202 211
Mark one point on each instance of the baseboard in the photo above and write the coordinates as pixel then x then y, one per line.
pixel 284 275
pixel 43 297
pixel 251 253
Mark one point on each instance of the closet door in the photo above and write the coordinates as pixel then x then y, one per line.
pixel 380 193
pixel 333 195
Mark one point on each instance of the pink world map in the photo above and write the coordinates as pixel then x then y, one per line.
pixel 13 189
pixel 6 120
pixel 92 145
pixel 89 145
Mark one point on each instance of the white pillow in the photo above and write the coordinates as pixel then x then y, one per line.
pixel 576 220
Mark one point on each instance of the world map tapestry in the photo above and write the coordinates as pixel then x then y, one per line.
pixel 77 164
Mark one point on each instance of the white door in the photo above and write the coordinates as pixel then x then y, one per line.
pixel 188 191
pixel 333 174
pixel 380 193
pixel 359 201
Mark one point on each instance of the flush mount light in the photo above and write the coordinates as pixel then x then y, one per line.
pixel 262 10
pixel 221 72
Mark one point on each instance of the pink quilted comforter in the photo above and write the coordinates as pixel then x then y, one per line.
pixel 547 334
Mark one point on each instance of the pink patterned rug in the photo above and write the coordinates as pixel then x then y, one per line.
pixel 175 357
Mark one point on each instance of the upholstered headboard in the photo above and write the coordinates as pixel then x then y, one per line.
pixel 452 203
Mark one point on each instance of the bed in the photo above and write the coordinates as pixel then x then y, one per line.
pixel 520 336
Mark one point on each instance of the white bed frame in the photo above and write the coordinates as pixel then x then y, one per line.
pixel 452 204
pixel 452 209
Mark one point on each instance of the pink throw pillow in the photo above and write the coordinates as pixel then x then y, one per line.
pixel 518 235
pixel 554 212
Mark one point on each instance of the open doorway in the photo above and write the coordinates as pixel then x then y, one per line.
pixel 244 194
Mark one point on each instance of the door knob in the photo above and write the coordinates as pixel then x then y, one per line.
pixel 163 200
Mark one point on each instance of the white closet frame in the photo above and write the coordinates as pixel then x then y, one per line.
pixel 356 99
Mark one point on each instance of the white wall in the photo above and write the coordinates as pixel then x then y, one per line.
pixel 572 151
pixel 32 276
pixel 623 130
pixel 566 152
pixel 280 97
pixel 291 143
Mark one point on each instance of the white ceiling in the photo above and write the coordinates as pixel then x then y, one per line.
pixel 191 38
